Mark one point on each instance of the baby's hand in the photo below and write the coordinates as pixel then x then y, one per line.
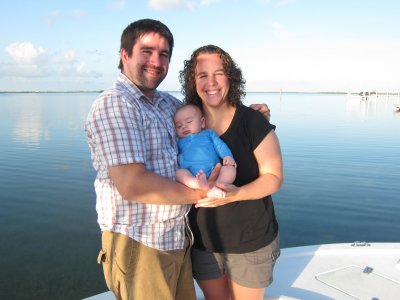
pixel 228 161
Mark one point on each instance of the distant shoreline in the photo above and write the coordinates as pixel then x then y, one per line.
pixel 252 92
pixel 47 92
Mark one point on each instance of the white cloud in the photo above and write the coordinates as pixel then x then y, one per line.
pixel 79 13
pixel 280 31
pixel 172 4
pixel 117 5
pixel 278 3
pixel 52 16
pixel 179 4
pixel 208 2
pixel 56 15
pixel 69 56
pixel 83 70
pixel 22 70
pixel 30 61
pixel 284 2
pixel 26 53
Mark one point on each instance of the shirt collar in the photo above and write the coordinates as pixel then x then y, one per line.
pixel 158 97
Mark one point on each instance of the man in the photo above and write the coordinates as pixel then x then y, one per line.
pixel 141 209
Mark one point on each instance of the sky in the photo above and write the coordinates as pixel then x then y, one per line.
pixel 280 45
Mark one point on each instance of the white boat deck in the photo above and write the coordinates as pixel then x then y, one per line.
pixel 336 271
pixel 332 271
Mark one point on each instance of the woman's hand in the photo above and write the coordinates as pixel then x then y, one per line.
pixel 231 195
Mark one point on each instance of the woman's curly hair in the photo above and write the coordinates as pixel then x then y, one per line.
pixel 187 77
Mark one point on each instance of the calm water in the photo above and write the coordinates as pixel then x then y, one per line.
pixel 342 184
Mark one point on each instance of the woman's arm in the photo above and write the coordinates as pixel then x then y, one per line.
pixel 269 181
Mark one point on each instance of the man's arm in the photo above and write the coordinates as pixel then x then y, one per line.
pixel 135 183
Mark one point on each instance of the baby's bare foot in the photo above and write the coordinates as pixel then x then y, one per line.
pixel 202 180
pixel 216 192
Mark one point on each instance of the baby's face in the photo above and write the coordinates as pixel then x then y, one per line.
pixel 188 120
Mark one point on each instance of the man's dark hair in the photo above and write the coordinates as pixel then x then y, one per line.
pixel 140 27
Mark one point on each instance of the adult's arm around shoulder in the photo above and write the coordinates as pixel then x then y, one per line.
pixel 262 108
pixel 257 127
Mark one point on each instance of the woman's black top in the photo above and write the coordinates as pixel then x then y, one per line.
pixel 242 226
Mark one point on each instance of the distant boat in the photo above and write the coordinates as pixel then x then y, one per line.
pixel 356 270
pixel 397 107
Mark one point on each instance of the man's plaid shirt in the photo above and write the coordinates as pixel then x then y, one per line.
pixel 124 127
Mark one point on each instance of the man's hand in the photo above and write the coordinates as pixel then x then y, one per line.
pixel 263 108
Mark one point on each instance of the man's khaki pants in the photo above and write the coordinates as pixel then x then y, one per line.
pixel 135 271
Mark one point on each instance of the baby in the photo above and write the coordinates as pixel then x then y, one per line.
pixel 199 151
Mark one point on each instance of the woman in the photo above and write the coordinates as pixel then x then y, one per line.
pixel 236 238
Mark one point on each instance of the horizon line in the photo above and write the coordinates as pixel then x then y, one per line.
pixel 374 92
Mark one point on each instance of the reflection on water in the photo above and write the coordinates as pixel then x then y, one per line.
pixel 29 129
pixel 372 105
pixel 341 184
